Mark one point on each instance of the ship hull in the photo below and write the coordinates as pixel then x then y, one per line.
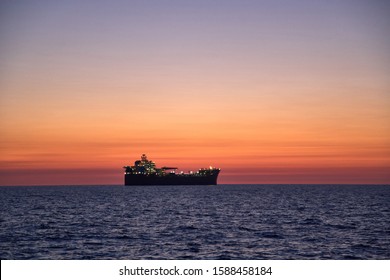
pixel 171 179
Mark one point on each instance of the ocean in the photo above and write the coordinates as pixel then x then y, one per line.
pixel 277 222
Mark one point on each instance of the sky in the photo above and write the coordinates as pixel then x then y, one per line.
pixel 269 91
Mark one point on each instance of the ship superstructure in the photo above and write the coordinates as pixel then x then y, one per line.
pixel 145 172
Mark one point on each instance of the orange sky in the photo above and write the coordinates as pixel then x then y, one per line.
pixel 267 101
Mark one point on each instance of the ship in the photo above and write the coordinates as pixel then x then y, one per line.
pixel 145 172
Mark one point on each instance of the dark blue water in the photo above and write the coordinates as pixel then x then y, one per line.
pixel 195 222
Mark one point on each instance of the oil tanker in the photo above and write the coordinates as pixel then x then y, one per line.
pixel 144 172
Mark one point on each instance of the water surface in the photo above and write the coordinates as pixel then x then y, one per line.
pixel 195 222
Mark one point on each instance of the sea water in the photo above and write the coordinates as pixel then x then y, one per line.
pixel 195 222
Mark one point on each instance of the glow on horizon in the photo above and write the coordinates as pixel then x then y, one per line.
pixel 269 91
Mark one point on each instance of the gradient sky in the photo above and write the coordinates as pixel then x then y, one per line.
pixel 269 91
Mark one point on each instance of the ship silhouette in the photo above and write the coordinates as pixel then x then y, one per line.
pixel 145 172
